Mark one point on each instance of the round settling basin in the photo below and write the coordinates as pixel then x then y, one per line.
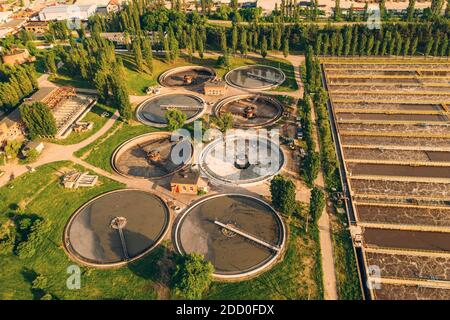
pixel 255 77
pixel 251 110
pixel 151 156
pixel 152 111
pixel 240 235
pixel 116 228
pixel 241 159
pixel 186 76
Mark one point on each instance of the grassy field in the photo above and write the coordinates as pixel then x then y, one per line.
pixel 345 263
pixel 40 193
pixel 99 152
pixel 95 116
pixel 66 80
pixel 297 276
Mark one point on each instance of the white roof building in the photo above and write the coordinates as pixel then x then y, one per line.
pixel 65 12
pixel 5 16
pixel 5 32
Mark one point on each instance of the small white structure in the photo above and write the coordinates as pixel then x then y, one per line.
pixel 75 179
pixel 82 126
pixel 5 32
pixel 65 12
pixel 152 90
pixel 108 7
pixel 5 16
pixel 32 145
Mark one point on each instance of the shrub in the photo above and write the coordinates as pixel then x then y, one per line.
pixel 316 203
pixel 224 62
pixel 175 119
pixel 12 148
pixel 7 237
pixel 32 156
pixel 38 119
pixel 225 121
pixel 27 248
pixel 283 195
pixel 39 283
pixel 193 276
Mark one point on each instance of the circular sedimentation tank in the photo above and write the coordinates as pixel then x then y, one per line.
pixel 152 156
pixel 116 228
pixel 152 111
pixel 251 110
pixel 240 235
pixel 255 77
pixel 186 76
pixel 241 158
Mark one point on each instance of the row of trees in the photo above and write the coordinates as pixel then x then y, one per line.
pixel 311 163
pixel 327 151
pixel 313 85
pixel 433 12
pixel 292 11
pixel 360 41
pixel 16 82
pixel 38 119
pixel 172 30
pixel 95 61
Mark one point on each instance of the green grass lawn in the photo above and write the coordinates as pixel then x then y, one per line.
pixel 101 150
pixel 297 276
pixel 345 263
pixel 40 193
pixel 95 116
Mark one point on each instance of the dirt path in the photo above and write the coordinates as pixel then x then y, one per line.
pixel 326 243
pixel 54 152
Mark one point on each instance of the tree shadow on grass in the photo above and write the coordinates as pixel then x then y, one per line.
pixel 29 275
pixel 128 62
pixel 158 266
pixel 99 109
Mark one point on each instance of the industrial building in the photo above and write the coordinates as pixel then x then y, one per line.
pixel 37 27
pixel 66 105
pixel 5 16
pixel 65 12
pixel 215 87
pixel 11 127
pixel 18 56
pixel 188 181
